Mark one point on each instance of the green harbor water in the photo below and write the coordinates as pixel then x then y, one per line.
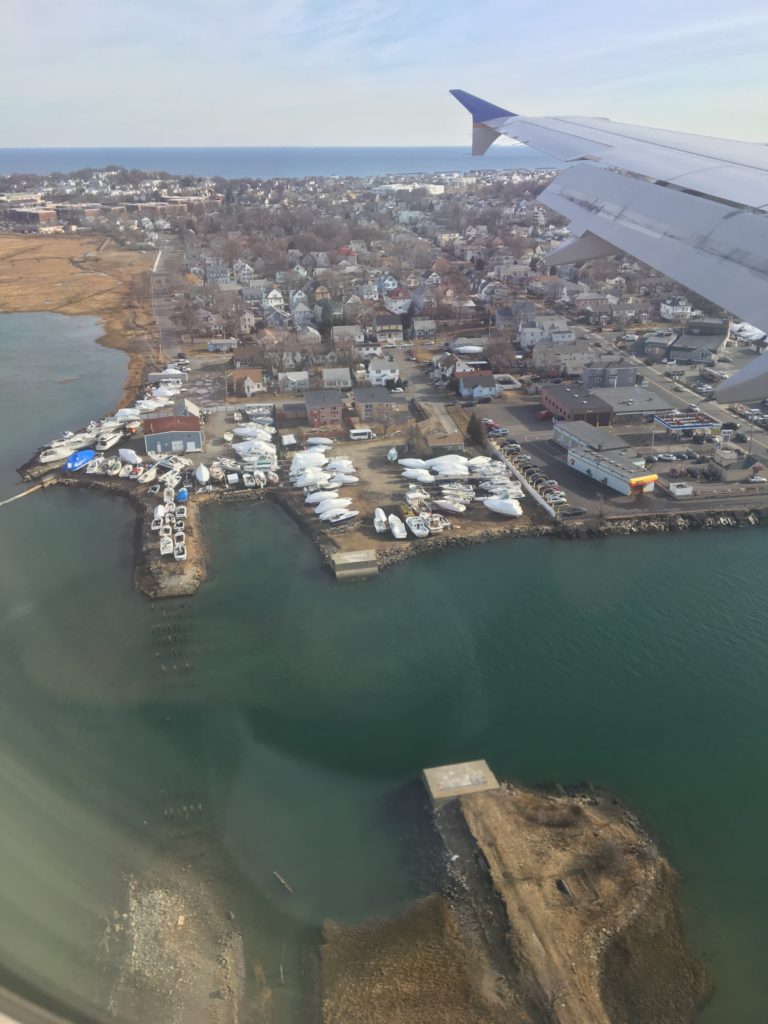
pixel 296 710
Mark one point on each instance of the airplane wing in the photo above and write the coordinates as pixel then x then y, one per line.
pixel 693 207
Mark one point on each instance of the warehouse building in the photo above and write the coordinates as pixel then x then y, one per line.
pixel 612 470
pixel 172 434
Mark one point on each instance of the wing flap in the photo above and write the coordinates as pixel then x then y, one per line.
pixel 713 249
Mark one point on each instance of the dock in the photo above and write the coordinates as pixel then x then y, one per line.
pixel 349 565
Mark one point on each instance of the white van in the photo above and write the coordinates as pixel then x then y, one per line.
pixel 362 434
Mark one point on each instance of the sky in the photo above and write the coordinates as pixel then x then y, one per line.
pixel 368 72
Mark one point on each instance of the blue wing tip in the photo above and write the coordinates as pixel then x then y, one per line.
pixel 481 110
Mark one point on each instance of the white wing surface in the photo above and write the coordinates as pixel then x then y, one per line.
pixel 693 207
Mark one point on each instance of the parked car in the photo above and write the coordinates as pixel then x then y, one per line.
pixel 757 480
pixel 666 457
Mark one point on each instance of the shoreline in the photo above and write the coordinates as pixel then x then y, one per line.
pixel 76 265
pixel 159 578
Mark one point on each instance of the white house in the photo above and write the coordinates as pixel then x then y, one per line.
pixel 294 380
pixel 275 299
pixel 380 371
pixel 676 307
pixel 477 385
pixel 337 377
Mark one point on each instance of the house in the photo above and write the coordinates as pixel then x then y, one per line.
pixel 294 380
pixel 351 334
pixel 337 377
pixel 245 382
pixel 247 322
pixel 398 301
pixel 675 307
pixel 477 385
pixel 166 434
pixel 609 373
pixel 352 308
pixel 222 344
pixel 276 318
pixel 302 315
pixel 274 299
pixel 245 356
pixel 324 408
pixel 389 329
pixel 376 404
pixel 380 371
pixel 562 357
pixel 424 328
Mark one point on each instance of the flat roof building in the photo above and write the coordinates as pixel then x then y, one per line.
pixel 583 435
pixel 612 470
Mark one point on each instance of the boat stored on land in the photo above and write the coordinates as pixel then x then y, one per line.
pixel 417 526
pixel 380 524
pixel 504 506
pixel 397 527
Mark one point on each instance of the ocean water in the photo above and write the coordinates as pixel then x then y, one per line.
pixel 299 709
pixel 275 162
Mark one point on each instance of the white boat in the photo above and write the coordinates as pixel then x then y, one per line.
pixel 421 476
pixel 332 503
pixel 248 480
pixel 95 465
pixel 417 526
pixel 181 512
pixel 340 466
pixel 436 523
pixel 165 530
pixel 179 537
pixel 228 436
pixel 180 552
pixel 55 454
pixel 108 440
pixel 272 477
pixel 125 470
pixel 156 524
pixel 315 497
pixel 412 463
pixel 202 474
pixel 216 473
pixel 450 506
pixel 168 495
pixel 113 467
pixel 166 546
pixel 148 474
pixel 417 491
pixel 380 523
pixel 345 478
pixel 392 455
pixel 323 442
pixel 504 506
pixel 397 527
pixel 342 516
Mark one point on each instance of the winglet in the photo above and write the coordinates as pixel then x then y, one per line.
pixel 481 110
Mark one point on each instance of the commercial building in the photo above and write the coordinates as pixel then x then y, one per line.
pixel 177 434
pixel 612 470
pixel 572 402
pixel 633 404
pixel 583 435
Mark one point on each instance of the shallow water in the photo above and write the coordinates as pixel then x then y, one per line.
pixel 298 709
